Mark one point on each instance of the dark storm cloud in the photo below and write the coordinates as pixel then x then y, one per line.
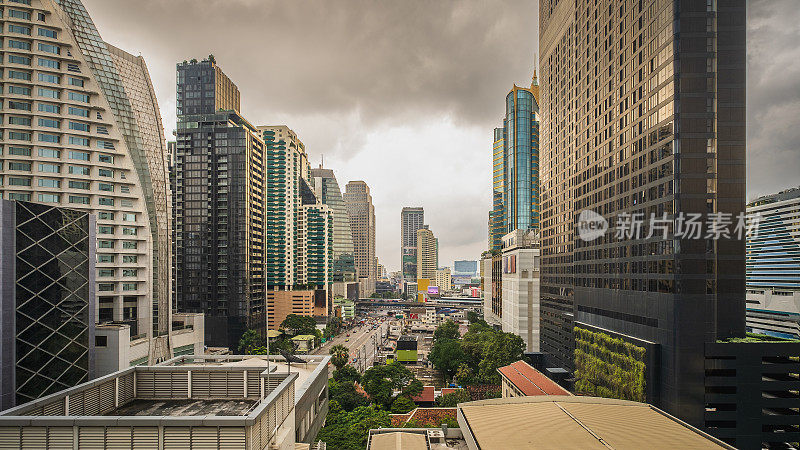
pixel 773 96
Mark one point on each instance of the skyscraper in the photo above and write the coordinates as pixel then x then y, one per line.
pixel 497 215
pixel 625 89
pixel 411 220
pixel 220 164
pixel 82 130
pixel 521 159
pixel 427 254
pixel 327 191
pixel 358 200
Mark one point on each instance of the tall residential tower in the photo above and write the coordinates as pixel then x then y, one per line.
pixel 411 220
pixel 361 212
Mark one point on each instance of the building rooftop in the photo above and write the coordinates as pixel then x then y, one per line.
pixel 185 407
pixel 530 381
pixel 575 422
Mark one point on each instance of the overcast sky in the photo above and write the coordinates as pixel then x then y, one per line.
pixel 404 94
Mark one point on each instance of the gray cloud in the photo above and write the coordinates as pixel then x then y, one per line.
pixel 405 94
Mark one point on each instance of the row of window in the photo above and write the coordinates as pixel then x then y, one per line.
pixel 109 287
pixel 109 258
pixel 103 273
pixel 23 166
pixel 55 183
pixel 55 138
pixel 49 108
pixel 49 93
pixel 44 77
pixel 105 243
pixel 53 153
pixel 48 122
pixel 22 29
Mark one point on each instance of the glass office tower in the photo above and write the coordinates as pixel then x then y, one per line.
pixel 328 192
pixel 521 160
pixel 497 216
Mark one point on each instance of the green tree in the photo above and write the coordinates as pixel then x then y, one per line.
pixel 380 382
pixel 402 405
pixel 295 324
pixel 472 316
pixel 502 350
pixel 464 374
pixel 346 373
pixel 452 399
pixel 447 330
pixel 249 340
pixel 345 430
pixel 339 356
pixel 345 394
pixel 446 355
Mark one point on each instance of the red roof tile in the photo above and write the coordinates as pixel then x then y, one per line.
pixel 446 391
pixel 425 396
pixel 530 381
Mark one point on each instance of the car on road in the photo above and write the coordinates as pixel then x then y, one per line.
pixel 347 340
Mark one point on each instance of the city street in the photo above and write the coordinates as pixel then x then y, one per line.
pixel 361 344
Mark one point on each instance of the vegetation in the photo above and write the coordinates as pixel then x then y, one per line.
pixel 451 423
pixel 348 430
pixel 250 339
pixel 447 330
pixel 447 355
pixel 755 337
pixel 472 316
pixel 453 399
pixel 606 366
pixel 344 392
pixel 380 382
pixel 339 356
pixel 295 324
pixel 347 373
pixel 402 404
pixel 388 294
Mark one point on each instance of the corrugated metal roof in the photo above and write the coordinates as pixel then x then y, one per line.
pixel 398 441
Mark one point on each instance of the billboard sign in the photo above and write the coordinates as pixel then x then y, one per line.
pixel 433 290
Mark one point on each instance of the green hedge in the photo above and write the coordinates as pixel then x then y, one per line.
pixel 606 366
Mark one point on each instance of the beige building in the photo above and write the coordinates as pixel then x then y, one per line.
pixel 361 212
pixel 281 303
pixel 427 254
pixel 444 279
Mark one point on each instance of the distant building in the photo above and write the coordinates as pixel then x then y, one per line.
pixel 443 279
pixel 47 300
pixel 361 211
pixel 427 253
pixel 519 313
pixel 411 220
pixel 773 265
pixel 306 302
pixel 465 267
pixel 497 217
pixel 347 308
pixel 327 190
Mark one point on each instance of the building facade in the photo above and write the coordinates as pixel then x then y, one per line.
pixel 497 216
pixel 773 265
pixel 646 81
pixel 411 220
pixel 444 279
pixel 521 159
pixel 361 212
pixel 327 191
pixel 219 207
pixel 426 254
pixel 81 129
pixel 465 267
pixel 520 287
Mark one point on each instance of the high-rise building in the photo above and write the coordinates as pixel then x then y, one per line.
pixel 411 220
pixel 81 129
pixel 497 215
pixel 358 200
pixel 444 279
pixel 47 300
pixel 327 191
pixel 521 159
pixel 773 265
pixel 465 267
pixel 426 254
pixel 520 287
pixel 626 87
pixel 220 196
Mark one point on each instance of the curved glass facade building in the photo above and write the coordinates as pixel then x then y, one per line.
pixel 521 160
pixel 81 129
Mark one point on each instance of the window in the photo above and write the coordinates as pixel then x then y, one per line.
pixel 125 189
pixel 19 90
pixel 129 245
pixel 49 182
pixel 49 93
pixel 101 129
pixel 47 107
pixel 47 137
pixel 17 75
pixel 129 272
pixel 19 151
pixel 75 140
pixel 130 258
pixel 105 158
pixel 19 29
pixel 17 14
pixel 105 173
pixel 105 258
pixel 129 231
pixel 80 199
pixel 40 16
pixel 126 203
pixel 22 2
pixel 105 287
pixel 79 170
pixel 105 229
pixel 78 111
pixel 19 196
pixel 49 123
pixel 19 136
pixel 49 198
pixel 22 45
pixel 107 145
pixel 79 126
pixel 49 48
pixel 16 181
pixel 129 217
pixel 21 166
pixel 75 81
pixel 22 106
pixel 106 201
pixel 17 59
pixel 79 184
pixel 25 121
pixel 74 154
pixel 101 341
pixel 104 243
pixel 49 78
pixel 78 97
pixel 49 63
pixel 130 286
pixel 49 153
pixel 47 33
pixel 106 187
pixel 105 215
pixel 49 168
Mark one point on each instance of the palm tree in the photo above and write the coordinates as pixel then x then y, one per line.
pixel 340 354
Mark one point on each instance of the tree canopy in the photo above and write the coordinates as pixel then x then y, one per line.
pixel 345 430
pixel 346 373
pixel 452 399
pixel 250 339
pixel 295 324
pixel 339 356
pixel 380 382
pixel 447 330
pixel 446 355
pixel 344 392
